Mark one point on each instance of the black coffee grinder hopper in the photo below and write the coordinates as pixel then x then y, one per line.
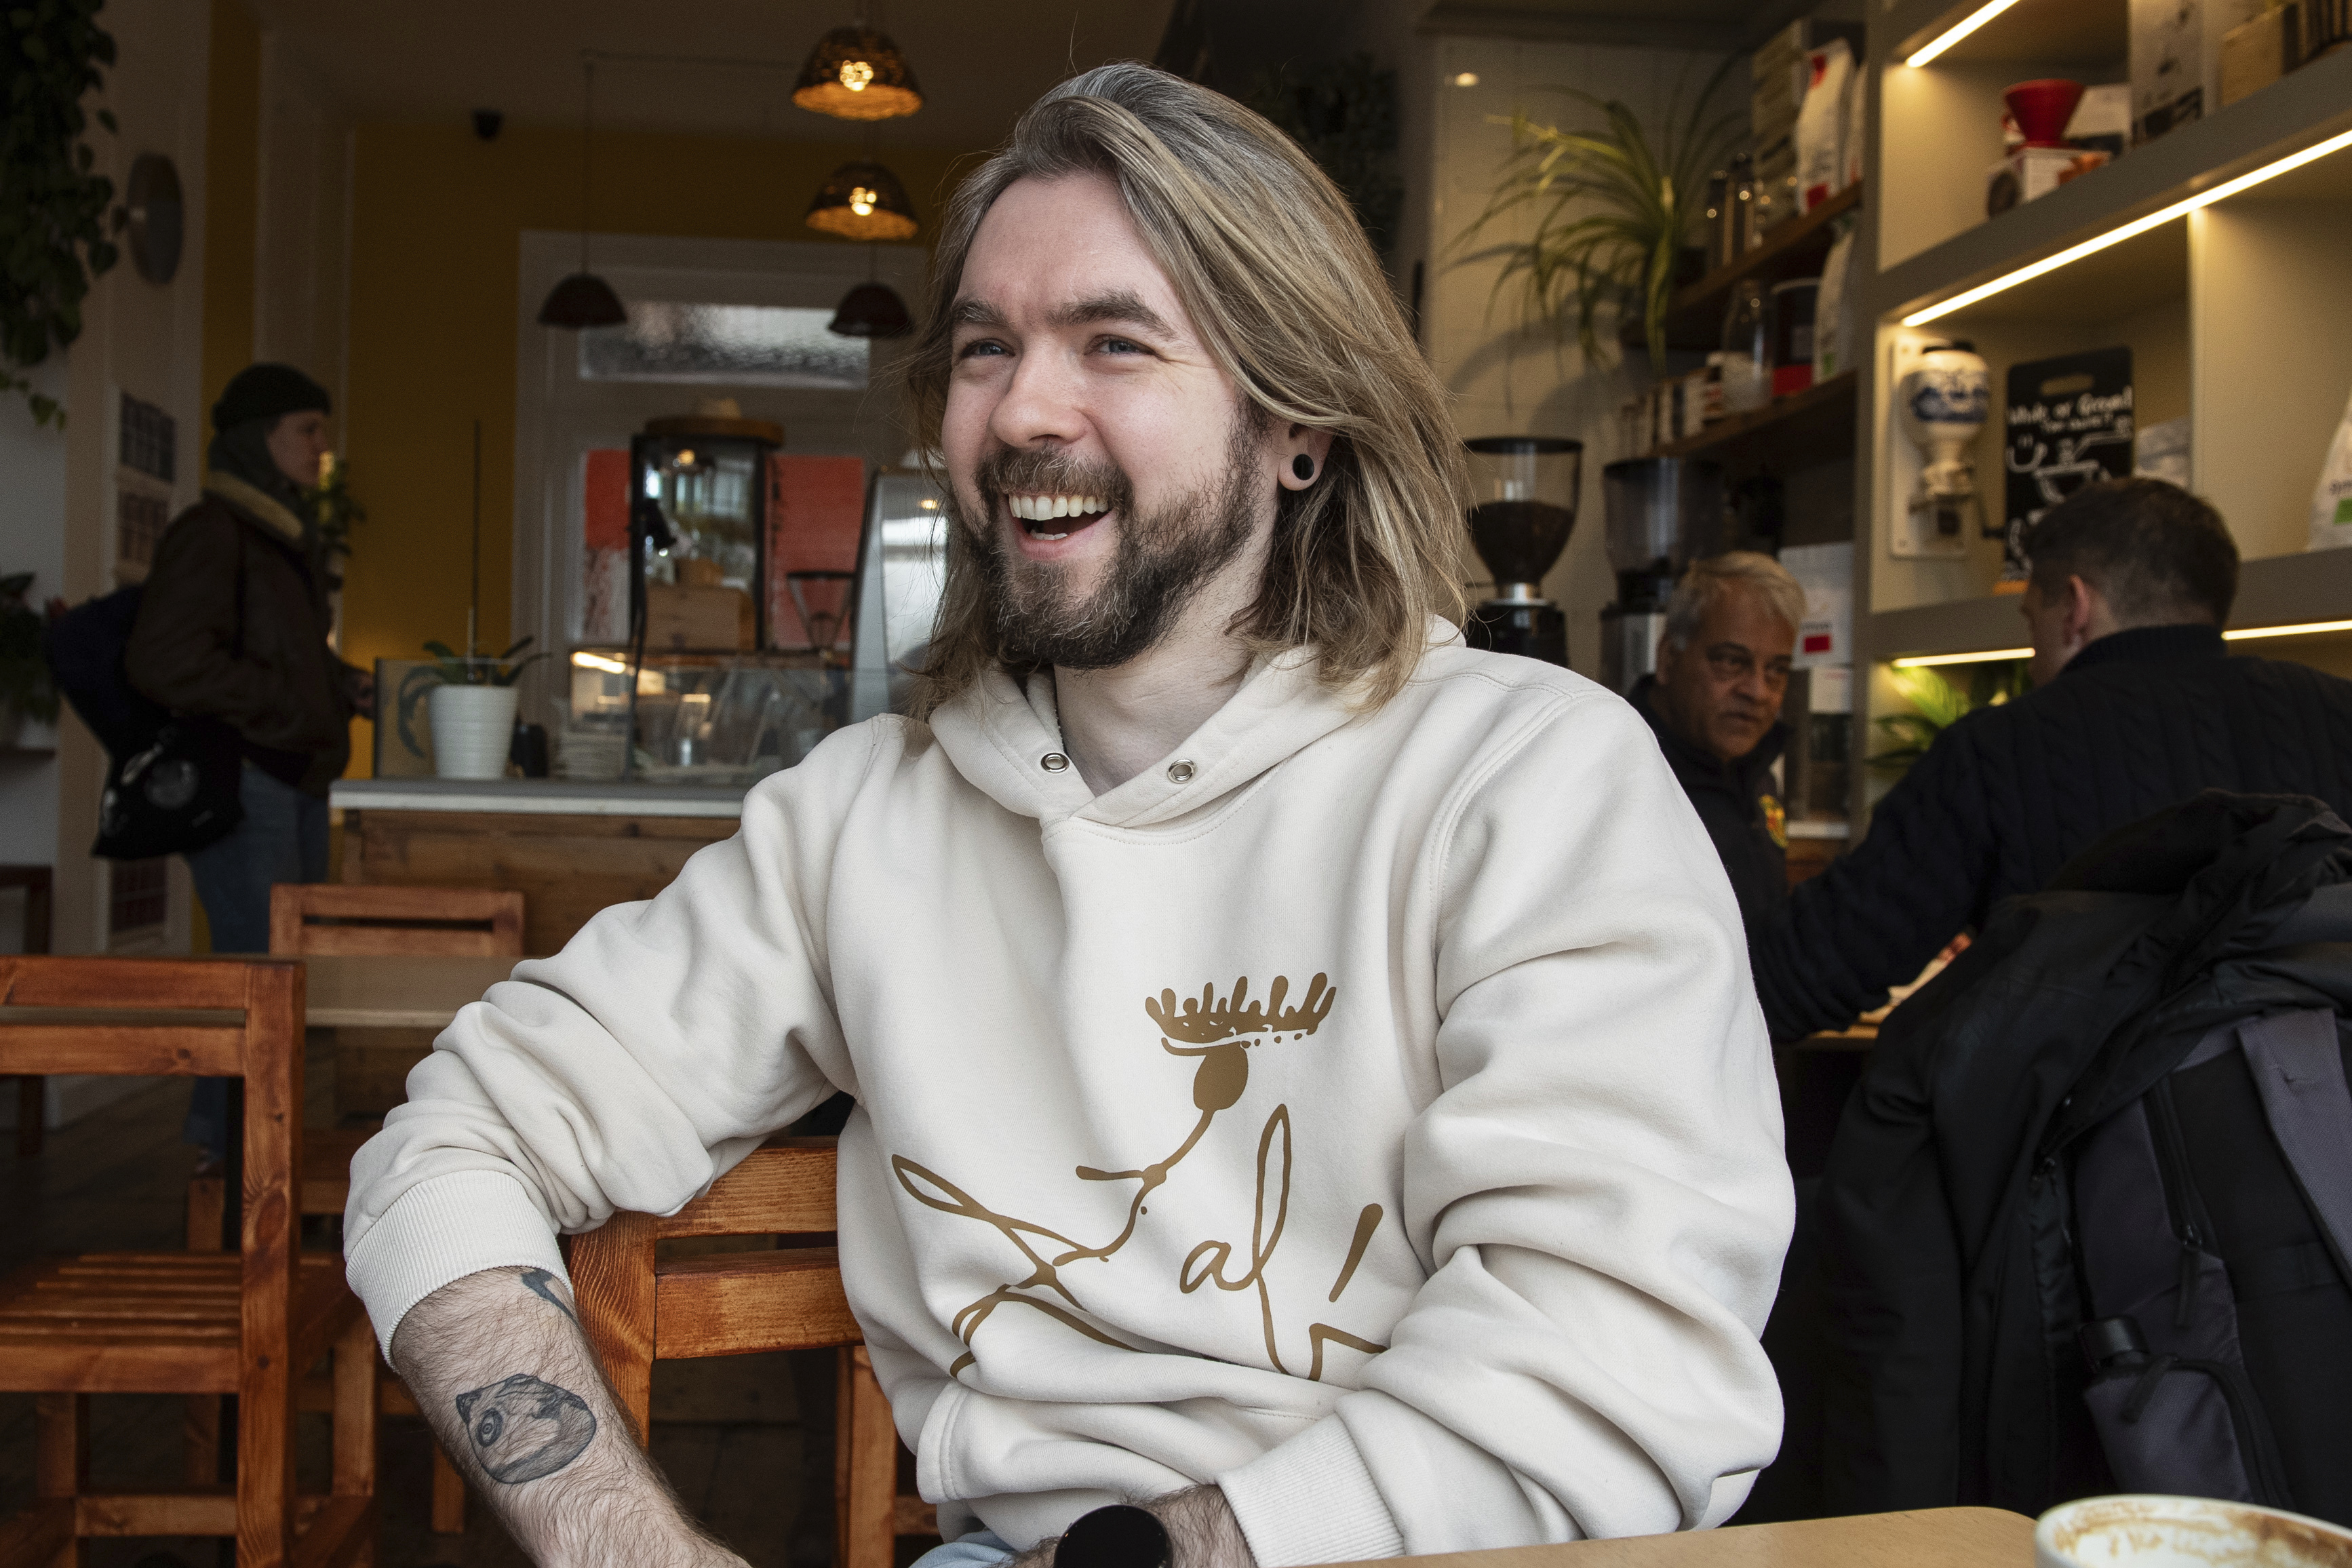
pixel 1526 488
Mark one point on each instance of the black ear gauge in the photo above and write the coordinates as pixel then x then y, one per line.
pixel 1304 467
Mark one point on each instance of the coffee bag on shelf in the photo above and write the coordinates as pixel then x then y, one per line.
pixel 2331 503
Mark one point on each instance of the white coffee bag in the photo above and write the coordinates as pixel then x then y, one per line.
pixel 1835 327
pixel 1821 124
pixel 2331 503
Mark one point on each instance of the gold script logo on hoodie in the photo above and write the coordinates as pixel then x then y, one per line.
pixel 1220 1031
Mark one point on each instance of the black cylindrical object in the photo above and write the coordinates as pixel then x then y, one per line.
pixel 1530 629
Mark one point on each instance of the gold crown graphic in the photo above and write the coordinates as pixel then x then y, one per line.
pixel 1205 1019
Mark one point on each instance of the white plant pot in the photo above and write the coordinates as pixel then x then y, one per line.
pixel 473 730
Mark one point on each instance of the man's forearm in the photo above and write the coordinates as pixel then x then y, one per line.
pixel 1202 1532
pixel 500 1369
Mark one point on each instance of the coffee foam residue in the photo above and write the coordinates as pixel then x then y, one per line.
pixel 2120 1529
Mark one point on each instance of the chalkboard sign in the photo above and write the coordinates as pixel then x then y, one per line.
pixel 2070 425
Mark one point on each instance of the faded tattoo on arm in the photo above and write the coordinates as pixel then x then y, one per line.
pixel 537 1281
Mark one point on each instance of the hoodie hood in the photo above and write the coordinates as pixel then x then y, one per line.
pixel 999 732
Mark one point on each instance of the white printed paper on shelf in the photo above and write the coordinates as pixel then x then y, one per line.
pixel 1825 572
pixel 2331 503
pixel 2161 451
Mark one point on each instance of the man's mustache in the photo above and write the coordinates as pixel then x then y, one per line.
pixel 1010 472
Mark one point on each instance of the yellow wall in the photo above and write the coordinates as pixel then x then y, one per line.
pixel 435 243
pixel 232 189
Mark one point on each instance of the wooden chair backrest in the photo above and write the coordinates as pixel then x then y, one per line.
pixel 313 918
pixel 218 1017
pixel 179 1016
pixel 637 1308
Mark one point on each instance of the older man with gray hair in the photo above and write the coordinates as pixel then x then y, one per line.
pixel 1723 669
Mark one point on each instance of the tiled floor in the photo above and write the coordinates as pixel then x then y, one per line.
pixel 727 1433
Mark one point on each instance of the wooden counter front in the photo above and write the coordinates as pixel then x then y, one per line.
pixel 566 867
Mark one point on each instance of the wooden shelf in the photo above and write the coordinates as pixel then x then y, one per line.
pixel 1695 316
pixel 2043 33
pixel 2276 591
pixel 1815 426
pixel 2296 111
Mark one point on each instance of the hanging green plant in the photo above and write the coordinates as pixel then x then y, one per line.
pixel 1612 209
pixel 1343 114
pixel 55 222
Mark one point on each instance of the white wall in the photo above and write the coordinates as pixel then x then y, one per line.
pixel 301 265
pixel 1507 379
pixel 139 338
pixel 32 539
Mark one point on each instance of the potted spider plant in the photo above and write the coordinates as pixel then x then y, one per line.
pixel 1614 211
pixel 471 707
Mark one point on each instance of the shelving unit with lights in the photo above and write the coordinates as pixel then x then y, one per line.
pixel 2217 253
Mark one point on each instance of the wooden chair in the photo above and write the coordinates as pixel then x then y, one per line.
pixel 307 918
pixel 32 1088
pixel 310 919
pixel 637 1308
pixel 248 1322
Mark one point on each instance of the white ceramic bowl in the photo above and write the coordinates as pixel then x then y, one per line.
pixel 2148 1532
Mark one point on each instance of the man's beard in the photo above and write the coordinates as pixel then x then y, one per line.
pixel 1161 562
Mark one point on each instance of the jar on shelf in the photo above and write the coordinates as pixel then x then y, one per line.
pixel 1737 221
pixel 1746 368
pixel 1793 334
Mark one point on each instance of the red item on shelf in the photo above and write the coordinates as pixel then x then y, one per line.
pixel 1788 379
pixel 2043 108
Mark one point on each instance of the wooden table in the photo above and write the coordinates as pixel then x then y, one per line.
pixel 403 993
pixel 385 1010
pixel 1929 1538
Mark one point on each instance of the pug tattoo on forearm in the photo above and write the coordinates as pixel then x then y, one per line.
pixel 522 1428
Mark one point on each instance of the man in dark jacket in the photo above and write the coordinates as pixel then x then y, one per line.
pixel 235 624
pixel 1714 703
pixel 2135 708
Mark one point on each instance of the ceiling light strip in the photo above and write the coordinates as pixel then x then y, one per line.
pixel 1969 24
pixel 2136 226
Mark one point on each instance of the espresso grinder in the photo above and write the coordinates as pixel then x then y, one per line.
pixel 1525 490
pixel 1660 514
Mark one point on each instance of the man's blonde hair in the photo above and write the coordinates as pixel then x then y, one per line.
pixel 1287 295
pixel 1695 594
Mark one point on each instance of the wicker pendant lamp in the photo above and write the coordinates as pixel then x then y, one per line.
pixel 857 73
pixel 863 200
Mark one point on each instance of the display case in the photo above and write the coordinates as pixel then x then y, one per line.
pixel 699 567
pixel 698 718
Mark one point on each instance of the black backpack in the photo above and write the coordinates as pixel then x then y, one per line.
pixel 2212 1223
pixel 173 780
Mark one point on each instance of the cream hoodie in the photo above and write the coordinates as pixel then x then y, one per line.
pixel 1369 1113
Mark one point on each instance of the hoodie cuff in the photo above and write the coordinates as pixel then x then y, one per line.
pixel 1311 1499
pixel 438 1232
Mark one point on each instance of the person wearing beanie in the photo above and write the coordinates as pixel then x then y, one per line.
pixel 234 624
